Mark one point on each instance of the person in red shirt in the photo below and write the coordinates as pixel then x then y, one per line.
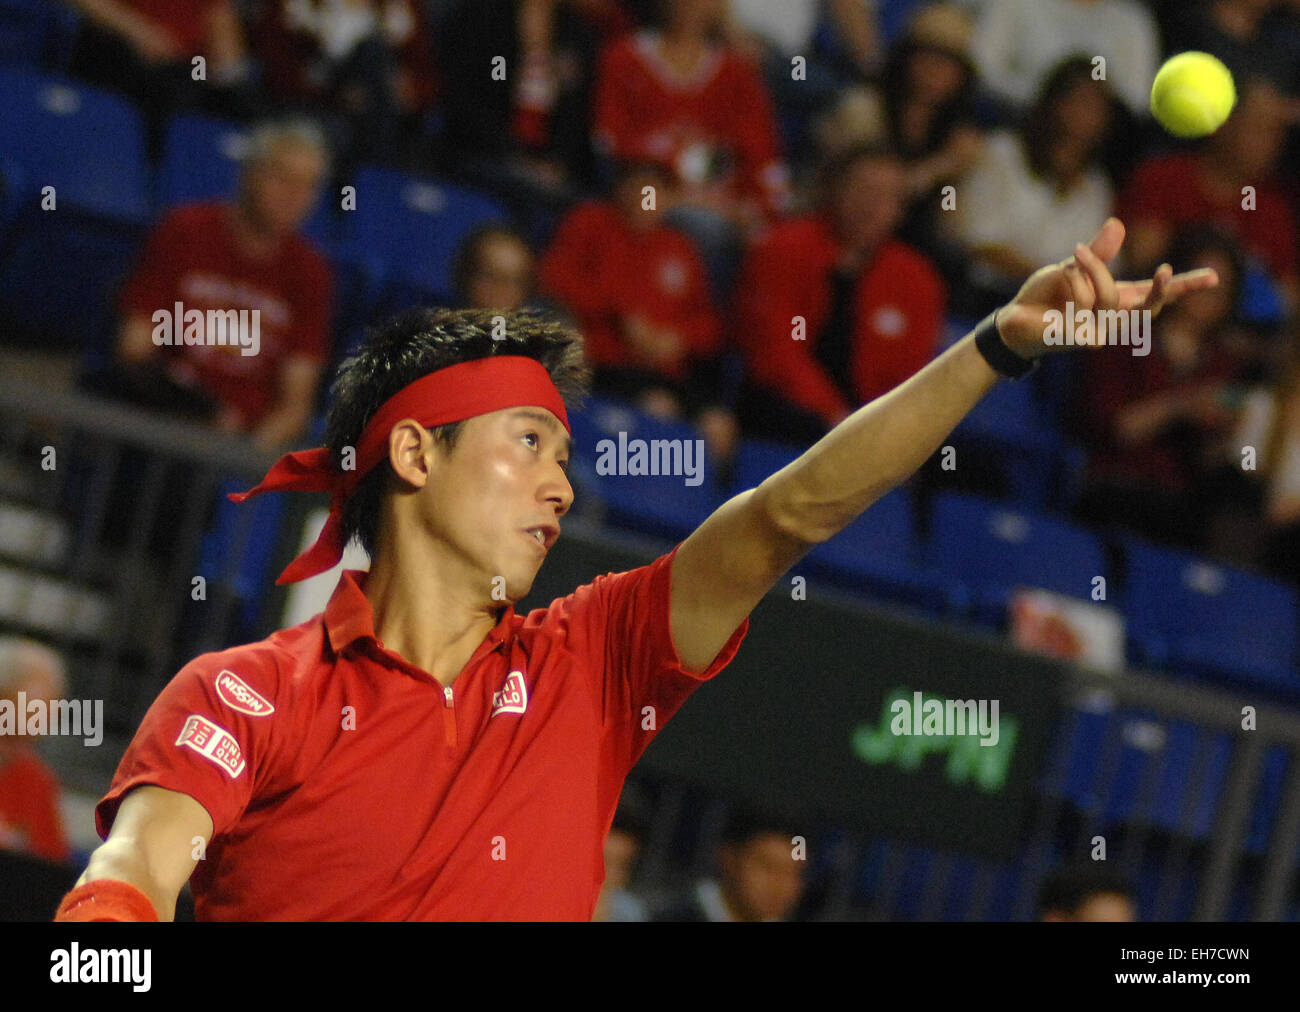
pixel 831 310
pixel 1208 186
pixel 491 747
pixel 30 820
pixel 244 256
pixel 640 294
pixel 676 96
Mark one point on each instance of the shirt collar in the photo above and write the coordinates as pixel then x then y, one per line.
pixel 348 616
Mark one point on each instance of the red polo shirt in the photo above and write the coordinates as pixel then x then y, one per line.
pixel 346 784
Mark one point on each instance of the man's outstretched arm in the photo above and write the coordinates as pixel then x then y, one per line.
pixel 735 557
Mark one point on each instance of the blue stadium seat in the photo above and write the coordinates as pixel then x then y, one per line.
pixel 877 554
pixel 995 550
pixel 36 33
pixel 89 146
pixel 405 232
pixel 244 569
pixel 660 505
pixel 201 160
pixel 1010 422
pixel 1208 620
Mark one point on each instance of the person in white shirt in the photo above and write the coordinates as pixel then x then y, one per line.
pixel 1032 191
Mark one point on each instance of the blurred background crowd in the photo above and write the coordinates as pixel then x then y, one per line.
pixel 761 214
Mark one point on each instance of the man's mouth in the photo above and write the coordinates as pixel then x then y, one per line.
pixel 543 536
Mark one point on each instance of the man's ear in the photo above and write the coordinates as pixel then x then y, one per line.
pixel 412 452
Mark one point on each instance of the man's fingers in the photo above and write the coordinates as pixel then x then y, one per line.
pixel 1108 240
pixel 1103 285
pixel 1191 281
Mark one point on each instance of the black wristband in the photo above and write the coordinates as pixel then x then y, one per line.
pixel 1004 361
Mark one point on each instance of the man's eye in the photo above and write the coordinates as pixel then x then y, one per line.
pixel 533 436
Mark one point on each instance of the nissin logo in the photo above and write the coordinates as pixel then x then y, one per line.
pixel 239 695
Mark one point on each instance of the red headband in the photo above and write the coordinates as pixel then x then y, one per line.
pixel 449 395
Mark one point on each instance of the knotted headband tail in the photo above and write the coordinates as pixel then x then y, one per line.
pixel 448 395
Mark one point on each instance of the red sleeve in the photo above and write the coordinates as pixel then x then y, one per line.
pixel 195 742
pixel 152 285
pixel 756 137
pixel 570 271
pixel 313 309
pixel 572 261
pixel 772 281
pixel 614 125
pixel 926 298
pixel 619 624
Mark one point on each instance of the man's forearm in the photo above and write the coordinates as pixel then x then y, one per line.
pixel 877 447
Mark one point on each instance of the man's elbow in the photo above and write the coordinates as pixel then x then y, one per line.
pixel 788 515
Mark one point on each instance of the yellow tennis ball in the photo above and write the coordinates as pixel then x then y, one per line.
pixel 1192 94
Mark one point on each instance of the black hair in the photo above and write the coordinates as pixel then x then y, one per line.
pixel 470 248
pixel 1068 888
pixel 894 85
pixel 1038 129
pixel 414 344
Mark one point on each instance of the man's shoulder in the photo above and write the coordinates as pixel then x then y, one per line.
pixel 255 674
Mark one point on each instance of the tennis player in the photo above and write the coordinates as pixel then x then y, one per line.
pixel 419 751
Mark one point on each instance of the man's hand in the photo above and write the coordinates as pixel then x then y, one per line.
pixel 1085 281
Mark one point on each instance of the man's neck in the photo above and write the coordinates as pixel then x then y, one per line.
pixel 426 612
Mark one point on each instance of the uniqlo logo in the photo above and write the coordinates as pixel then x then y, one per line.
pixel 214 743
pixel 513 697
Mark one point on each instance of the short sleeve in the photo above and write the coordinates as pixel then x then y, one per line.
pixel 205 736
pixel 619 626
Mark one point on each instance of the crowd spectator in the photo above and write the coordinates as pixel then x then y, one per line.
pixel 245 255
pixel 147 49
pixel 30 819
pixel 928 85
pixel 495 269
pixel 677 95
pixel 1034 192
pixel 832 310
pixel 1087 891
pixel 1208 185
pixel 761 876
pixel 1155 423
pixel 1018 42
pixel 640 294
pixel 526 130
pixel 368 62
